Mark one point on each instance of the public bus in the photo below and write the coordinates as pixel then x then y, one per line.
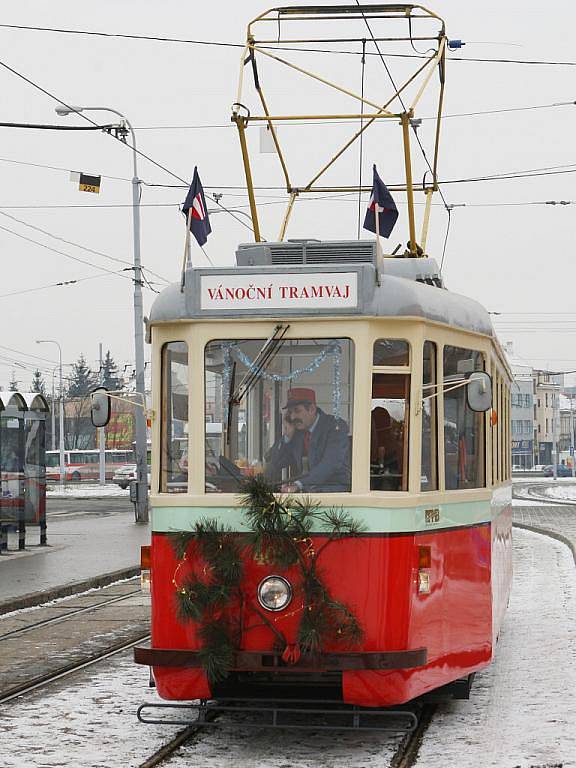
pixel 83 465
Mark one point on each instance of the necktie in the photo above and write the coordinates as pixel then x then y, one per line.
pixel 307 438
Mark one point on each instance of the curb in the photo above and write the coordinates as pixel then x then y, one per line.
pixel 548 532
pixel 34 599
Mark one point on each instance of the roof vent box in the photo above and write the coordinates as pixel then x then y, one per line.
pixel 311 252
pixel 316 252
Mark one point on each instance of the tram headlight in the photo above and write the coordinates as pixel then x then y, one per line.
pixel 274 593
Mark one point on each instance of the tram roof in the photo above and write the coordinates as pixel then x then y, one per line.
pixel 408 288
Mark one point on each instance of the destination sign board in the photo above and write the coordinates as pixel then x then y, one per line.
pixel 312 290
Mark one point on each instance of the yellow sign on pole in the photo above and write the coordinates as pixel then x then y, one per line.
pixel 89 183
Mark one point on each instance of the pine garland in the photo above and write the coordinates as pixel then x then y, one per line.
pixel 279 535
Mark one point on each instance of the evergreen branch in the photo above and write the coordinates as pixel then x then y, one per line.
pixel 217 652
pixel 180 541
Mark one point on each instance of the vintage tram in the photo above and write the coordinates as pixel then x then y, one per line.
pixel 427 571
pixel 331 495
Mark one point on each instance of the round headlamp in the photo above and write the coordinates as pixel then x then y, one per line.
pixel 274 593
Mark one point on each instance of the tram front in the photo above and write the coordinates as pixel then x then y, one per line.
pixel 295 472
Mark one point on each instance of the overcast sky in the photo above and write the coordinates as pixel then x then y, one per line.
pixel 512 258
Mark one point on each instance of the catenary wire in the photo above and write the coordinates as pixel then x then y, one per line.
pixel 60 284
pixel 67 255
pixel 224 44
pixel 76 245
pixel 118 138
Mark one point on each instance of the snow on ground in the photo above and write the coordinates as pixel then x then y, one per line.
pixel 84 491
pixel 531 503
pixel 564 492
pixel 522 712
pixel 523 709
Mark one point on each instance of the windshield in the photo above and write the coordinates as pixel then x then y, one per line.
pixel 293 423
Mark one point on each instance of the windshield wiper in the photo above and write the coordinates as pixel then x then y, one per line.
pixel 268 351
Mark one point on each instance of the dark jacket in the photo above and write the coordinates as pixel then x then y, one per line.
pixel 329 465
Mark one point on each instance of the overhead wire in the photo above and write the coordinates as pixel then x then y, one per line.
pixel 68 255
pixel 60 284
pixel 123 141
pixel 76 245
pixel 227 44
pixel 415 132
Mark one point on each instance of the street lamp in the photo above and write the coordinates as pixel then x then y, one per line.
pixel 61 441
pixel 140 415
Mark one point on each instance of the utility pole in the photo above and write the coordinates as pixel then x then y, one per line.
pixel 571 438
pixel 140 498
pixel 102 431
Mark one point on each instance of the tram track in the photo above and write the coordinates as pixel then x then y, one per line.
pixel 405 755
pixel 407 751
pixel 66 671
pixel 68 615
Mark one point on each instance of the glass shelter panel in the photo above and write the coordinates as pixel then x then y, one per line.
pixel 429 463
pixel 289 418
pixel 391 352
pixel 174 423
pixel 389 432
pixel 463 428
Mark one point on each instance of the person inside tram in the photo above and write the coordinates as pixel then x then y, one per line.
pixel 384 444
pixel 314 448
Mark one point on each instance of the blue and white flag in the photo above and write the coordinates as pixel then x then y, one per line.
pixel 381 203
pixel 195 210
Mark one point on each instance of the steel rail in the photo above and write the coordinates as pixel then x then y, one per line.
pixel 407 752
pixel 171 746
pixel 45 680
pixel 64 617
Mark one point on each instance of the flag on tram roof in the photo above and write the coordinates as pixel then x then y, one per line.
pixel 381 203
pixel 195 210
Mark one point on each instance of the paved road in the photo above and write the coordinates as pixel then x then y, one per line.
pixel 88 506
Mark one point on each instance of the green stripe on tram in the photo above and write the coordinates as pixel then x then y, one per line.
pixel 374 519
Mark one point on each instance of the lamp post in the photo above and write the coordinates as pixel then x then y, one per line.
pixel 140 414
pixel 61 436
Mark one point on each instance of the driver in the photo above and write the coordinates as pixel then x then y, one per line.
pixel 314 446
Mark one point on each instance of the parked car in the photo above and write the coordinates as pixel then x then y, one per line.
pixel 561 471
pixel 124 475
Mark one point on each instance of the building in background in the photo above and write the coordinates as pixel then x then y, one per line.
pixel 547 389
pixel 521 412
pixel 567 439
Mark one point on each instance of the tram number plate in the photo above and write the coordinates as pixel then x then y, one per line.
pixel 432 516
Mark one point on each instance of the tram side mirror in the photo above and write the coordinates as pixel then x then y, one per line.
pixel 479 391
pixel 100 407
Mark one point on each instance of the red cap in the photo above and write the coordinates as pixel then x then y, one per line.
pixel 299 396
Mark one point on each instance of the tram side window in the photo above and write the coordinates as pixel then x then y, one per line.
pixel 389 432
pixel 174 421
pixel 429 464
pixel 285 414
pixel 463 428
pixel 391 352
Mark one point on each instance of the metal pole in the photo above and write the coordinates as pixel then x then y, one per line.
pixel 61 436
pixel 102 434
pixel 571 438
pixel 141 504
pixel 140 412
pixel 53 414
pixel 61 425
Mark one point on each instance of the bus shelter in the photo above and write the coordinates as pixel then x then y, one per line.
pixel 22 465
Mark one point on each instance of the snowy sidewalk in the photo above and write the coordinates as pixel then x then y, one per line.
pixel 85 491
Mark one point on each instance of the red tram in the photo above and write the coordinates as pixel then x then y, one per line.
pixel 331 494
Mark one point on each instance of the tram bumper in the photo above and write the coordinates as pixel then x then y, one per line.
pixel 250 661
pixel 365 679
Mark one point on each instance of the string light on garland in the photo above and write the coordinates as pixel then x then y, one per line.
pixel 332 350
pixel 279 535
